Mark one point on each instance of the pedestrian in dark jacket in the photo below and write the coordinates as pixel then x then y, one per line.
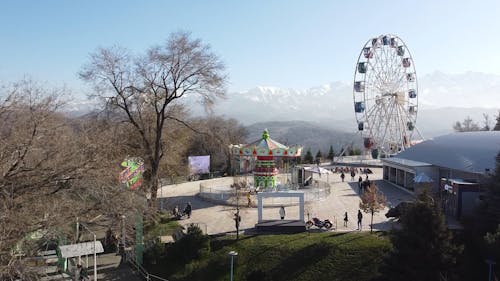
pixel 360 218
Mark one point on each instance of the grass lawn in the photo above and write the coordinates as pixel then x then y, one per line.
pixel 164 226
pixel 315 256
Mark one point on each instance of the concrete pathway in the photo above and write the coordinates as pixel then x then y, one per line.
pixel 216 219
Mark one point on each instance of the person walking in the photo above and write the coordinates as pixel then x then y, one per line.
pixel 342 176
pixel 282 212
pixel 249 204
pixel 237 221
pixel 360 182
pixel 352 174
pixel 360 218
pixel 188 209
pixel 346 219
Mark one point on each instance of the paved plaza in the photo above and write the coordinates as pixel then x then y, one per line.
pixel 344 196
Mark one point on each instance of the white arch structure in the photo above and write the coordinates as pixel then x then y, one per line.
pixel 297 194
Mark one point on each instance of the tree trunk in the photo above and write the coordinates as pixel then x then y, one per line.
pixel 371 224
pixel 153 187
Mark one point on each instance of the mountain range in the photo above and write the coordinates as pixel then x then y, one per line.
pixel 322 116
pixel 443 100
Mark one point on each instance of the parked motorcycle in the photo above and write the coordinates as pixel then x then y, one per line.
pixel 319 223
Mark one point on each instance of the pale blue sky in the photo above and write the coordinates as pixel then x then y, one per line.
pixel 290 44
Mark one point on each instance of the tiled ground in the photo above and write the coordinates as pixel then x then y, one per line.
pixel 344 197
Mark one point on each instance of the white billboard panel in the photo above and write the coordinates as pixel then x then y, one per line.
pixel 199 164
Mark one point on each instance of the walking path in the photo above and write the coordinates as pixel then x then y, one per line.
pixel 216 219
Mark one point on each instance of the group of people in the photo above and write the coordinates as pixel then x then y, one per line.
pixel 187 211
pixel 352 171
pixel 360 220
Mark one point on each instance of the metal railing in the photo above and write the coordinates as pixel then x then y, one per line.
pixel 142 271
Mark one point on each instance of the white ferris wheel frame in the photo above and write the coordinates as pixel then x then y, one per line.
pixel 388 92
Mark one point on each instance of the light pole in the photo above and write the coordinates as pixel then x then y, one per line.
pixel 95 252
pixel 232 254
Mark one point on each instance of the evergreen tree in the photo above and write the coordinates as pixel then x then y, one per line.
pixel 319 155
pixel 490 209
pixel 423 248
pixel 331 153
pixel 308 158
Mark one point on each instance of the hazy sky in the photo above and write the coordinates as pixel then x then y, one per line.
pixel 291 44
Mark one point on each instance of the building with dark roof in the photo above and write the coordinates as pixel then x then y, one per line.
pixel 459 158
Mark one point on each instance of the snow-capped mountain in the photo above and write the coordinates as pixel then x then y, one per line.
pixel 443 100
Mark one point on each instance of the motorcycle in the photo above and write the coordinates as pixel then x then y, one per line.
pixel 319 223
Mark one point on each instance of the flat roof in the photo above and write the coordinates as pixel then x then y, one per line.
pixel 81 249
pixel 405 162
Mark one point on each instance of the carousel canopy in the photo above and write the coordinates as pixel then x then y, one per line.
pixel 266 147
pixel 317 170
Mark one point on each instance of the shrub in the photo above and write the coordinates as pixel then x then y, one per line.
pixel 193 245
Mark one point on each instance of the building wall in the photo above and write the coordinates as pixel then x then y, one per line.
pixel 469 203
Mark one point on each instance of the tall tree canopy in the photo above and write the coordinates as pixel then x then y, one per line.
pixel 147 88
pixel 423 247
pixel 53 169
pixel 372 201
pixel 331 153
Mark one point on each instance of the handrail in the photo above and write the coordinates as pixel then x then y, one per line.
pixel 145 274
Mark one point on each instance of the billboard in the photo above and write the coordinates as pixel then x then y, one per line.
pixel 199 164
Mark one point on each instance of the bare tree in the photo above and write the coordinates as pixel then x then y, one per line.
pixel 145 88
pixel 372 201
pixel 486 122
pixel 51 171
pixel 497 125
pixel 468 125
pixel 220 134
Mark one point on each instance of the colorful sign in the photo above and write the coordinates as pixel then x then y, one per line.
pixel 132 175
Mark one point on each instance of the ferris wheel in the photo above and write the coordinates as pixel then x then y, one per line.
pixel 386 95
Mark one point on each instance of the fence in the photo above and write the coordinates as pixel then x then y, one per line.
pixel 224 194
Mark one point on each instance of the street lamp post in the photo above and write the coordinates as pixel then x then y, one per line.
pixel 232 254
pixel 94 249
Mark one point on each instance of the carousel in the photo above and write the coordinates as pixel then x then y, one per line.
pixel 266 151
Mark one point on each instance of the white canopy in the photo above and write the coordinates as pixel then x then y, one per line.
pixel 317 170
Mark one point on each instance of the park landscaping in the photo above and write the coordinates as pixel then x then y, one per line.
pixel 304 256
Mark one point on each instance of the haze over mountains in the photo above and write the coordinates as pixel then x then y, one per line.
pixel 443 99
pixel 322 116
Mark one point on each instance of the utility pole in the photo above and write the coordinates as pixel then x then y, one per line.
pixel 77 229
pixel 121 247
